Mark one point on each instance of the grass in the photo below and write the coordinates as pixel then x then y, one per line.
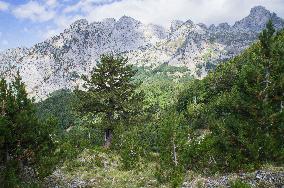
pixel 104 169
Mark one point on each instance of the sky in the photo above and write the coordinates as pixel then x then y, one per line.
pixel 27 22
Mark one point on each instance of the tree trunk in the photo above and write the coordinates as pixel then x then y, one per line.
pixel 7 156
pixel 281 105
pixel 175 153
pixel 194 100
pixel 267 74
pixel 21 165
pixel 108 137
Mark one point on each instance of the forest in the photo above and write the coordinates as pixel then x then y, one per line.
pixel 152 125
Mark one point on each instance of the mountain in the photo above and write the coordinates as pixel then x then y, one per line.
pixel 58 62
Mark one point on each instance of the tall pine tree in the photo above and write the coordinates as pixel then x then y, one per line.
pixel 111 93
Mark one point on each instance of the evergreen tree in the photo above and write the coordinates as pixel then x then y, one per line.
pixel 241 104
pixel 4 132
pixel 111 94
pixel 22 136
pixel 266 39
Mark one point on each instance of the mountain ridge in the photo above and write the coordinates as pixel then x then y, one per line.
pixel 58 62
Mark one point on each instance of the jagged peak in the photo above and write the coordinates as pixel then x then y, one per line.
pixel 128 19
pixel 258 11
pixel 212 27
pixel 175 24
pixel 189 22
pixel 79 24
pixel 202 25
pixel 224 26
pixel 256 20
pixel 109 20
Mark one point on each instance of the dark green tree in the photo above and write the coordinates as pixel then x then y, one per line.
pixel 4 131
pixel 241 104
pixel 110 94
pixel 22 136
pixel 266 39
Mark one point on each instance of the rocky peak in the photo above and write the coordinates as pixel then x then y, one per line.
pixel 203 26
pixel 109 21
pixel 259 11
pixel 175 25
pixel 189 23
pixel 224 26
pixel 212 27
pixel 255 21
pixel 128 22
pixel 79 25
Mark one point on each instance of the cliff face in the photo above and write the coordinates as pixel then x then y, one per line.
pixel 59 61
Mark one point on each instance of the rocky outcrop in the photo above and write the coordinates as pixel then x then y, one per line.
pixel 261 178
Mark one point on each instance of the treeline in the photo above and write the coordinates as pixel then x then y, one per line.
pixel 232 120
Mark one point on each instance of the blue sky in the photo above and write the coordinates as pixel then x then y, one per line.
pixel 26 22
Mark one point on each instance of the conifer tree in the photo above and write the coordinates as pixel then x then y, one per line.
pixel 111 93
pixel 241 103
pixel 266 39
pixel 22 136
pixel 4 132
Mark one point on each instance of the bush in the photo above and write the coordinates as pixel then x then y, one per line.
pixel 239 184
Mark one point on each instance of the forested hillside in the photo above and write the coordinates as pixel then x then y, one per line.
pixel 138 127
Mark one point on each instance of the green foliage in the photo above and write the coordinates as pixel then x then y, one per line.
pixel 106 168
pixel 265 38
pixel 239 184
pixel 130 147
pixel 232 120
pixel 24 139
pixel 59 105
pixel 172 141
pixel 161 85
pixel 110 93
pixel 240 106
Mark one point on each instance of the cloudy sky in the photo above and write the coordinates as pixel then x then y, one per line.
pixel 26 22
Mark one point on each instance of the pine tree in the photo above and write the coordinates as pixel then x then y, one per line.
pixel 266 39
pixel 241 103
pixel 4 132
pixel 22 136
pixel 111 93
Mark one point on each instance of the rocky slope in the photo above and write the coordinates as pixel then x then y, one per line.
pixel 59 61
pixel 267 177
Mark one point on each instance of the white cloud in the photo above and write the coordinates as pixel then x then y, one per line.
pixel 51 3
pixel 62 13
pixel 34 11
pixel 164 11
pixel 4 6
pixel 160 12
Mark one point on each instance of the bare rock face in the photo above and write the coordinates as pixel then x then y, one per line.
pixel 58 62
pixel 257 20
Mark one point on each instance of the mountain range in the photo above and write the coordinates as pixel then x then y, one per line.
pixel 59 62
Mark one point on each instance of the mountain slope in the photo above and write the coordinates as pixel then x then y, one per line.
pixel 58 62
